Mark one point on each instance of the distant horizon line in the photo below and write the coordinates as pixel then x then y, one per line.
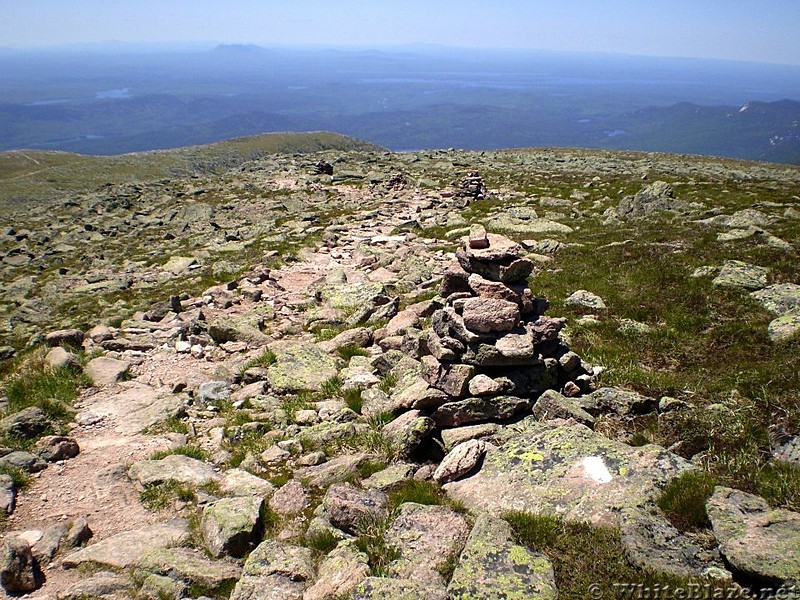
pixel 210 45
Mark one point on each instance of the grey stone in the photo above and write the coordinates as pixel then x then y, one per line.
pixel 275 571
pixel 173 468
pixel 232 526
pixel 491 564
pixel 213 392
pixel 339 574
pixel 349 509
pixel 586 300
pixel 460 461
pixel 27 423
pixel 18 569
pixel 65 337
pixel 784 328
pixel 475 410
pixel 104 584
pixel 615 400
pixel 104 370
pixel 8 495
pixel 452 379
pixel 59 358
pixel 23 460
pixel 755 539
pixel 458 435
pixel 552 405
pixel 125 549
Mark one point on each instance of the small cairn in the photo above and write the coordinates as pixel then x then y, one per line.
pixel 492 352
pixel 471 186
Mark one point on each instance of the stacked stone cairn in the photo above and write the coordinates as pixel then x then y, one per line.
pixel 492 352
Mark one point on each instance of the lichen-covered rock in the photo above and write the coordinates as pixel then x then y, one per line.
pixel 127 548
pixel 784 328
pixel 475 410
pixel 232 526
pixel 780 299
pixel 348 508
pixel 408 431
pixel 427 538
pixel 275 571
pixel 491 564
pixel 387 588
pixel 457 435
pixel 586 299
pixel 237 328
pixel 339 574
pixel 238 482
pixel 190 566
pixel 175 468
pixel 161 587
pixel 618 401
pixel 18 569
pixel 460 461
pixel 583 476
pixel 735 273
pixel 552 405
pixel 299 366
pixel 755 539
pixel 341 468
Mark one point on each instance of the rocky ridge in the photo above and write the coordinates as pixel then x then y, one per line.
pixel 308 391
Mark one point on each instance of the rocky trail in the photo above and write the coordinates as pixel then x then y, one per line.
pixel 369 420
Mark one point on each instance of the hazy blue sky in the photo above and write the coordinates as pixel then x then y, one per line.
pixel 736 29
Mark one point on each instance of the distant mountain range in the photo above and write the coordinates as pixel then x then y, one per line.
pixel 115 103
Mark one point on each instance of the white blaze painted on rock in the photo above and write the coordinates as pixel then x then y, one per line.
pixel 596 469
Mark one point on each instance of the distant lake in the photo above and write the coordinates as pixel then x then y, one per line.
pixel 114 94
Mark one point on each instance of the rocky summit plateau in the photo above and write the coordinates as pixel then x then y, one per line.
pixel 299 366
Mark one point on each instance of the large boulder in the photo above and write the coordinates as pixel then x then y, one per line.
pixel 349 509
pixel 19 572
pixel 232 526
pixel 756 540
pixel 275 571
pixel 583 476
pixel 27 423
pixel 427 539
pixel 738 274
pixel 491 564
pixel 460 461
pixel 339 574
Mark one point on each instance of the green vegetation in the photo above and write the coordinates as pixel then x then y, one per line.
pixel 348 351
pixel 684 500
pixel 265 359
pixel 162 495
pixel 352 397
pixel 585 557
pixel 189 450
pixel 322 541
pixel 372 541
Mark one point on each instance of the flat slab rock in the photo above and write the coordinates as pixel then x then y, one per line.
pixel 300 366
pixel 127 548
pixel 173 468
pixel 755 539
pixel 133 407
pixel 581 475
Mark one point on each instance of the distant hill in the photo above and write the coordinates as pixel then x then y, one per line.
pixel 767 131
pixel 36 175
